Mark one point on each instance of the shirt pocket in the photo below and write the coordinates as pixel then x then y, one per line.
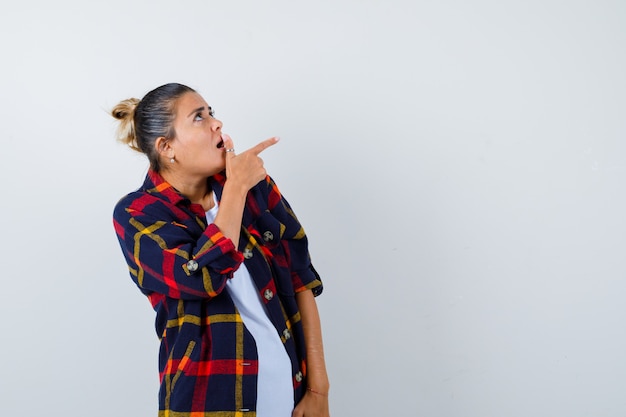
pixel 270 229
pixel 183 365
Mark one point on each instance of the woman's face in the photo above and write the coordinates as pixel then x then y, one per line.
pixel 198 147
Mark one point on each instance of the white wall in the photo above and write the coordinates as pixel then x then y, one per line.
pixel 459 166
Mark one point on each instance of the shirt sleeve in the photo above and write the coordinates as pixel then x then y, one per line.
pixel 294 242
pixel 164 257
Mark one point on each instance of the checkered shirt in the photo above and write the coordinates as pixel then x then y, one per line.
pixel 208 360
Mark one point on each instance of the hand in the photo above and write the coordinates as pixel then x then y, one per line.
pixel 246 169
pixel 312 405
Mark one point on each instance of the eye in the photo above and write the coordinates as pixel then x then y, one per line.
pixel 198 117
pixel 211 112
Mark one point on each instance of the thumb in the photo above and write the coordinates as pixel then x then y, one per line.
pixel 229 146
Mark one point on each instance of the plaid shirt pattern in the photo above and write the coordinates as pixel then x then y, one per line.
pixel 208 360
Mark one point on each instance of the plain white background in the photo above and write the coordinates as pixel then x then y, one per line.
pixel 459 167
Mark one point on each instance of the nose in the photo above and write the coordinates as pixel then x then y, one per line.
pixel 216 125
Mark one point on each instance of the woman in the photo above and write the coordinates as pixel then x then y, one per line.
pixel 222 258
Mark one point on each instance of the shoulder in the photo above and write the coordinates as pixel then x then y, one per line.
pixel 138 201
pixel 152 206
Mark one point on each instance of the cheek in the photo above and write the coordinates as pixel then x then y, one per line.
pixel 195 148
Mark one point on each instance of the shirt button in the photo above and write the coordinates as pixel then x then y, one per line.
pixel 247 253
pixel 286 334
pixel 192 266
pixel 268 236
pixel 299 377
pixel 269 294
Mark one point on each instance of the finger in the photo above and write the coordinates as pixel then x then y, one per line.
pixel 261 146
pixel 228 144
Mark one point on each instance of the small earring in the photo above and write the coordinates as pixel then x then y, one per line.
pixel 172 160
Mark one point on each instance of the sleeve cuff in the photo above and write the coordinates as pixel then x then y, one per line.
pixel 307 279
pixel 218 252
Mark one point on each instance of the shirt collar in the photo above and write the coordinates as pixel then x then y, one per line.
pixel 155 184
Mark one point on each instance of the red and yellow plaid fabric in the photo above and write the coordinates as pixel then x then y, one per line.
pixel 208 359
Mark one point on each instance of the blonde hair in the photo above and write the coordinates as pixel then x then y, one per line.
pixel 125 113
pixel 143 121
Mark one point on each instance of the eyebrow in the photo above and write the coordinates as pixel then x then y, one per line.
pixel 198 110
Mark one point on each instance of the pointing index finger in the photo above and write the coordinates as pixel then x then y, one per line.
pixel 261 146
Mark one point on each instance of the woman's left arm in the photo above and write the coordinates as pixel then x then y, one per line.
pixel 315 401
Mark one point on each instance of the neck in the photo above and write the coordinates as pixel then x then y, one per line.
pixel 195 189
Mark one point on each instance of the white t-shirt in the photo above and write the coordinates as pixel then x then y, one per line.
pixel 275 386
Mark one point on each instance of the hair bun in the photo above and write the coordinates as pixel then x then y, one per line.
pixel 125 113
pixel 125 108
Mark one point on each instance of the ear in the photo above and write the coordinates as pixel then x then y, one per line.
pixel 164 147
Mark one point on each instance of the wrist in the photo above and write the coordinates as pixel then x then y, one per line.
pixel 235 189
pixel 316 392
pixel 318 385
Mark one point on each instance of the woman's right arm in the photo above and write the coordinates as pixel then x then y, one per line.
pixel 243 172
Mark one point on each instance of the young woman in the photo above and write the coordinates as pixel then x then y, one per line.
pixel 218 251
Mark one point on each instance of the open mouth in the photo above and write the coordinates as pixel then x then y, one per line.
pixel 220 144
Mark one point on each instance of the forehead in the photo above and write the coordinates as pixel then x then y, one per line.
pixel 189 102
